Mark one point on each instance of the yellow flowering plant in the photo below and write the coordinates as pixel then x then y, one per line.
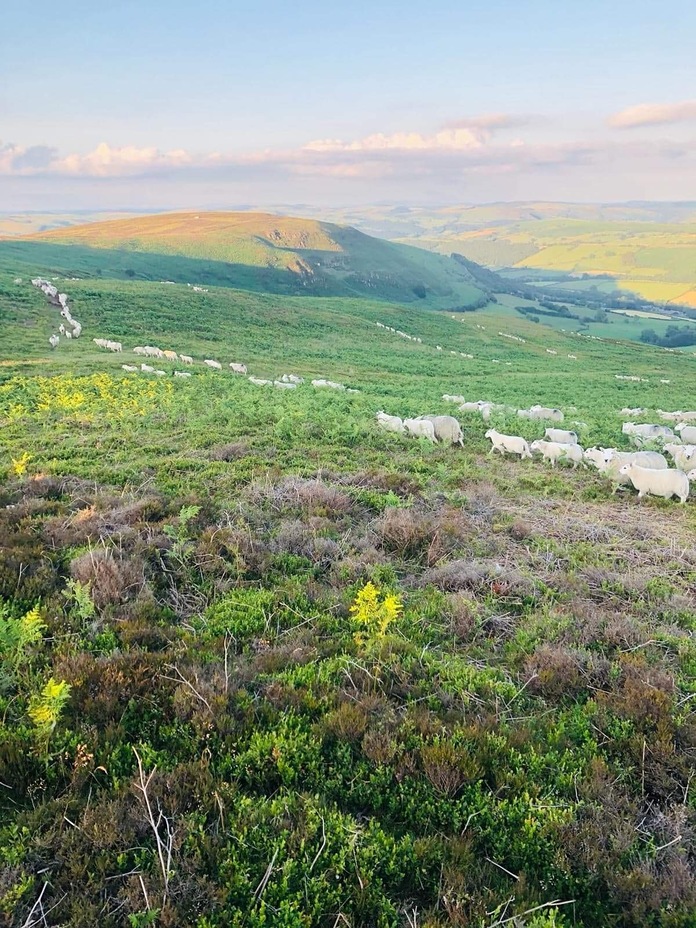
pixel 373 613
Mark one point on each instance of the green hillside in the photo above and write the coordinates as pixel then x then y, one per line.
pixel 358 679
pixel 253 251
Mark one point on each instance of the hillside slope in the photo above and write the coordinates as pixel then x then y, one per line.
pixel 256 251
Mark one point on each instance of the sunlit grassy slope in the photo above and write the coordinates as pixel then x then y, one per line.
pixel 254 251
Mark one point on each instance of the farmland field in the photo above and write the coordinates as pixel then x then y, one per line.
pixel 267 665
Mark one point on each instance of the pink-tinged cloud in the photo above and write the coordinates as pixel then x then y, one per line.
pixel 654 114
pixel 105 161
pixel 496 121
pixel 444 140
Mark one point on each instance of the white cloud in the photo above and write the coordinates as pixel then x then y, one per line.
pixel 654 114
pixel 452 139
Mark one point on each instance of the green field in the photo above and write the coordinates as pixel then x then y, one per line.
pixel 371 682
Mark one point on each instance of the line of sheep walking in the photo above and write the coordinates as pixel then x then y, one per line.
pixel 59 299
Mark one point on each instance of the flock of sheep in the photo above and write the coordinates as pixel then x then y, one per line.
pixel 58 299
pixel 648 471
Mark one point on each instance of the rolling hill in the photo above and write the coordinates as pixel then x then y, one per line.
pixel 256 251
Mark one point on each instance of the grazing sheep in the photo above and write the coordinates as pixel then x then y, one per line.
pixel 146 369
pixel 510 443
pixel 646 432
pixel 688 417
pixel 687 433
pixel 238 368
pixel 53 341
pixel 447 429
pixel 664 483
pixel 292 378
pixel 259 382
pixel 171 355
pixel 682 455
pixel 541 412
pixel 214 365
pixel 68 335
pixel 558 451
pixel 598 456
pixel 562 436
pixel 139 349
pixel 131 368
pixel 184 358
pixel 61 329
pixel 182 373
pixel 330 384
pixel 452 398
pixel 390 423
pixel 627 411
pixel 160 373
pixel 421 428
pixel 282 385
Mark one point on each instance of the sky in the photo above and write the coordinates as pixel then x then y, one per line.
pixel 221 103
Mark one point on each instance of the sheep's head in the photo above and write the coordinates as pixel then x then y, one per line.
pixel 626 469
pixel 490 433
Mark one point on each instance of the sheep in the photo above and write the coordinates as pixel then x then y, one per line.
pixel 511 443
pixel 259 382
pixel 688 417
pixel 615 460
pixel 597 456
pixel 184 358
pixel 557 451
pixel 447 429
pixel 669 416
pixel 328 383
pixel 160 373
pixel 687 433
pixel 53 341
pixel 682 455
pixel 292 378
pixel 146 369
pixel 452 398
pixel 664 483
pixel 238 368
pixel 77 329
pixel 562 436
pixel 214 365
pixel 541 412
pixel 182 374
pixel 137 350
pixel 646 432
pixel 421 428
pixel 171 355
pixel 68 335
pixel 390 423
pixel 627 411
pixel 282 385
pixel 61 329
pixel 131 368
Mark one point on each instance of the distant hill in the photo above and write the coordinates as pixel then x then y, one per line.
pixel 647 249
pixel 256 251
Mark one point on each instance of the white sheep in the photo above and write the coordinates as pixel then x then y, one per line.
pixel 664 483
pixel 615 460
pixel 238 368
pixel 182 373
pixel 68 335
pixel 282 385
pixel 421 428
pixel 447 429
pixel 627 411
pixel 160 373
pixel 330 384
pixel 260 382
pixel 513 444
pixel 390 423
pixel 186 359
pixel 214 365
pixel 61 329
pixel 53 341
pixel 131 368
pixel 646 432
pixel 687 433
pixel 682 455
pixel 557 451
pixel 292 378
pixel 146 369
pixel 452 398
pixel 563 436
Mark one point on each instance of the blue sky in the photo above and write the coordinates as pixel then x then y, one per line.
pixel 156 104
